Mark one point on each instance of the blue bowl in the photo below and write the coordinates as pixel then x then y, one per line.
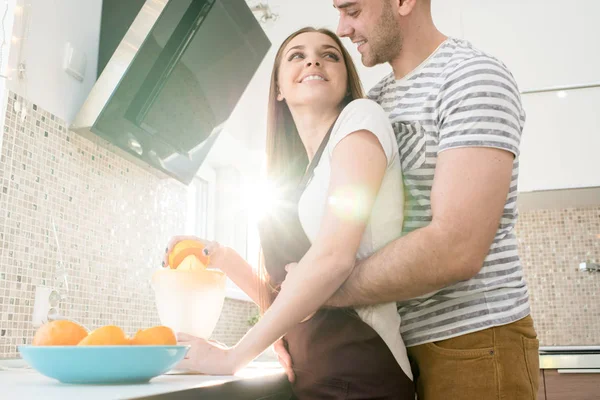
pixel 102 364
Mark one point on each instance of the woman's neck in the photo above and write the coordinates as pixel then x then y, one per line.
pixel 312 125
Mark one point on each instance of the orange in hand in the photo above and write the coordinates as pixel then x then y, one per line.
pixel 157 335
pixel 59 333
pixel 106 335
pixel 187 248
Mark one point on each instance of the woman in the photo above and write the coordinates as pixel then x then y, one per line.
pixel 334 157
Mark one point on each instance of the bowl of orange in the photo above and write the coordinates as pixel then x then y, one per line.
pixel 67 352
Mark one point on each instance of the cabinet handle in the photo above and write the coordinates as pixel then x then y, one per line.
pixel 579 371
pixel 559 88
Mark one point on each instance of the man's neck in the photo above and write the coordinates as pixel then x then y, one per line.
pixel 416 48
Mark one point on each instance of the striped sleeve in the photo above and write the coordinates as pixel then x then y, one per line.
pixel 480 106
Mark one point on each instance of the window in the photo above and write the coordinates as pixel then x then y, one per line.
pixel 201 205
pixel 202 213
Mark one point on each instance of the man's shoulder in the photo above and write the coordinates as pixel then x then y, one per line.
pixel 463 59
pixel 451 58
pixel 456 63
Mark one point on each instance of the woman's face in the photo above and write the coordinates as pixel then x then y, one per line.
pixel 312 71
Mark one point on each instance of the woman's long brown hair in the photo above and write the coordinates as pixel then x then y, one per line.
pixel 286 156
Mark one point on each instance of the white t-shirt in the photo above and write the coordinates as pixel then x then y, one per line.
pixel 385 222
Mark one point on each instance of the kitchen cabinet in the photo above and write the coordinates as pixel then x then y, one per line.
pixel 541 395
pixel 570 385
pixel 569 373
pixel 543 45
pixel 561 140
pixel 560 147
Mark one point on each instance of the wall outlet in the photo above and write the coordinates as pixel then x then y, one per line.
pixel 46 299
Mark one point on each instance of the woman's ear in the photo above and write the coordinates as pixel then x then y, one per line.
pixel 279 95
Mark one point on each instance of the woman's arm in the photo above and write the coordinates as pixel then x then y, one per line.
pixel 357 169
pixel 239 271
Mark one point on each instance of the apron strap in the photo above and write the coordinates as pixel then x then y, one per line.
pixel 315 161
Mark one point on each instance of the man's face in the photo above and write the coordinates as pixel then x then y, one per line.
pixel 373 26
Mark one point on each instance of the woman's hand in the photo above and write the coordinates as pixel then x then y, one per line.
pixel 212 249
pixel 207 357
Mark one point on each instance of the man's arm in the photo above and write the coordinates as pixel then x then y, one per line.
pixel 467 201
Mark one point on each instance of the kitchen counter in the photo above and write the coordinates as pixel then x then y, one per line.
pixel 260 380
pixel 264 380
pixel 569 372
pixel 570 358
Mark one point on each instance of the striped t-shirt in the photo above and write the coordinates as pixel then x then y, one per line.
pixel 458 97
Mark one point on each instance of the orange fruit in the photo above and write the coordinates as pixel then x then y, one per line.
pixel 108 335
pixel 59 333
pixel 157 335
pixel 187 248
pixel 191 263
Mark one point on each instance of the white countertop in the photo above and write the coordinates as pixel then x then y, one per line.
pixel 25 384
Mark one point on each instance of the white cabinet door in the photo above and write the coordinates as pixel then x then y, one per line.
pixel 548 44
pixel 561 141
pixel 545 43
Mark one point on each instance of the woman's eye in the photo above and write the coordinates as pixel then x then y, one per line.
pixel 296 56
pixel 333 56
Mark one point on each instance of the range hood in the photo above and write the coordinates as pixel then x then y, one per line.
pixel 170 73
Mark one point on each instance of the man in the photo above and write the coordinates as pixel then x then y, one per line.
pixel 455 272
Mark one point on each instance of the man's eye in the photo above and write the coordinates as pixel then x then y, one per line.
pixel 352 13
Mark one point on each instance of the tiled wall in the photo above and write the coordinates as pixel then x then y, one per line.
pixel 565 302
pixel 235 321
pixel 112 219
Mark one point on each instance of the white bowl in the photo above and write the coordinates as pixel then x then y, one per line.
pixel 189 301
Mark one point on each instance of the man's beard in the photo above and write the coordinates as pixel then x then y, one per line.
pixel 385 42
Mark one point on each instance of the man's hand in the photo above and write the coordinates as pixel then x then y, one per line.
pixel 284 359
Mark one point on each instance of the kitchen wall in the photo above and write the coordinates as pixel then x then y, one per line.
pixel 112 220
pixel 565 302
pixel 112 217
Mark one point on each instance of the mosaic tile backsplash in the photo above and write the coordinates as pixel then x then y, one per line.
pixel 565 302
pixel 112 220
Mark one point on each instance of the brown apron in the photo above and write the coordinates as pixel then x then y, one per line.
pixel 335 355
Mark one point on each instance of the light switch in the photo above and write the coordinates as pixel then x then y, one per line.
pixel 75 62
